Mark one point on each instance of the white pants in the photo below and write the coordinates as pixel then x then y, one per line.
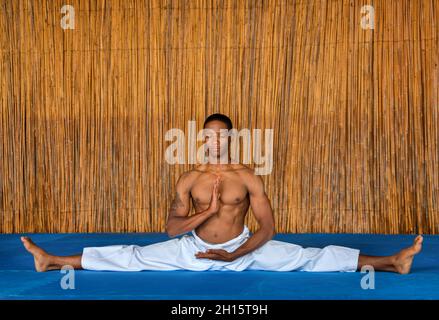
pixel 179 254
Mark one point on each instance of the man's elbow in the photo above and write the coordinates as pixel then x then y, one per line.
pixel 170 231
pixel 172 234
pixel 271 232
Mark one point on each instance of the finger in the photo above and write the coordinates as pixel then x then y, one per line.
pixel 214 251
pixel 208 256
pixel 218 252
pixel 214 257
pixel 201 254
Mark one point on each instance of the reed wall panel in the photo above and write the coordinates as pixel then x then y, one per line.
pixel 84 112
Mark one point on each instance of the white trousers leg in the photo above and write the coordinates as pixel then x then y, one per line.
pixel 283 256
pixel 179 254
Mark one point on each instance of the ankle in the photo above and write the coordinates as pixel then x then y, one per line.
pixel 394 260
pixel 51 260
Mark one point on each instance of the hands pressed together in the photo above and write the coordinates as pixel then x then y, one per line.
pixel 215 204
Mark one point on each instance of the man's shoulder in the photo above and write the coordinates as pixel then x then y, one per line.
pixel 199 169
pixel 185 181
pixel 188 178
pixel 189 174
pixel 244 170
pixel 248 176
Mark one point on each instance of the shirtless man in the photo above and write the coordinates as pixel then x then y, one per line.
pixel 221 193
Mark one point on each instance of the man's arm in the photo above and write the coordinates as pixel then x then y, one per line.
pixel 263 212
pixel 178 221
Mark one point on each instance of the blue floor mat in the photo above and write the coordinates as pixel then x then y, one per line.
pixel 18 280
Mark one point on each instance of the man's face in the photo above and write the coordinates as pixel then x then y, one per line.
pixel 218 144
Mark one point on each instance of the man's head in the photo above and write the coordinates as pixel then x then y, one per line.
pixel 219 124
pixel 221 118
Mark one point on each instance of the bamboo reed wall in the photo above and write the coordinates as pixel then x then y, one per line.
pixel 84 112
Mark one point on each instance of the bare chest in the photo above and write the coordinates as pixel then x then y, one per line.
pixel 232 190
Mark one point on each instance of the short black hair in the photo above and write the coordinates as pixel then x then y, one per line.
pixel 219 117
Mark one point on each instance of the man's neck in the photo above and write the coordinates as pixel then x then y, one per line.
pixel 219 161
pixel 217 165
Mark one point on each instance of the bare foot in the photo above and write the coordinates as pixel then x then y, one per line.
pixel 404 258
pixel 41 257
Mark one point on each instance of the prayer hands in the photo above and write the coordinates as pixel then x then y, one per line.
pixel 214 201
